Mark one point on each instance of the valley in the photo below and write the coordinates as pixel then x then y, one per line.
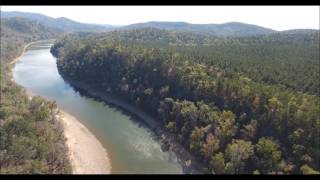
pixel 157 97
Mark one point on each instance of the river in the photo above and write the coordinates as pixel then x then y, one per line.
pixel 131 146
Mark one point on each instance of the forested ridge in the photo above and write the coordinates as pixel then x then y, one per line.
pixel 240 105
pixel 31 138
pixel 61 23
pixel 222 30
pixel 289 60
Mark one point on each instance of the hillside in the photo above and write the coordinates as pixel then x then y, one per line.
pixel 61 23
pixel 235 103
pixel 32 139
pixel 18 26
pixel 294 57
pixel 227 29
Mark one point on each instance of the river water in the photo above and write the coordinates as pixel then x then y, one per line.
pixel 130 145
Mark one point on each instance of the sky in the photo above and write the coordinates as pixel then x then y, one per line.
pixel 274 17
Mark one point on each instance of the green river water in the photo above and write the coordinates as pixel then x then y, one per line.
pixel 130 145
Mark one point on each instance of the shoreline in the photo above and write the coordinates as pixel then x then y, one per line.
pixel 188 162
pixel 25 48
pixel 86 154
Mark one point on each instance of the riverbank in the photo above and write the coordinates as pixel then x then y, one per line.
pixel 86 153
pixel 12 63
pixel 23 50
pixel 189 163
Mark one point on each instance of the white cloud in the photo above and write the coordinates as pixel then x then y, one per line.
pixel 275 17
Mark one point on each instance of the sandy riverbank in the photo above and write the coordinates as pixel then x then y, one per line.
pixel 86 153
pixel 25 48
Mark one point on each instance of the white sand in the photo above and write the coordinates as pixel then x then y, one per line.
pixel 87 154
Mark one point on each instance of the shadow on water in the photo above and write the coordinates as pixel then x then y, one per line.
pixel 177 153
pixel 154 132
pixel 136 143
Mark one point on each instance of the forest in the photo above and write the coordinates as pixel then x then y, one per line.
pixel 31 138
pixel 239 104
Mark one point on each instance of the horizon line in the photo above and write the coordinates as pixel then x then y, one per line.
pixel 160 21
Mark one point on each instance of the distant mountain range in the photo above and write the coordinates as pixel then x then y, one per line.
pixel 226 29
pixel 23 28
pixel 221 30
pixel 62 23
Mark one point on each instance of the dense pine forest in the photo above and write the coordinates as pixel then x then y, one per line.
pixel 31 138
pixel 239 104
